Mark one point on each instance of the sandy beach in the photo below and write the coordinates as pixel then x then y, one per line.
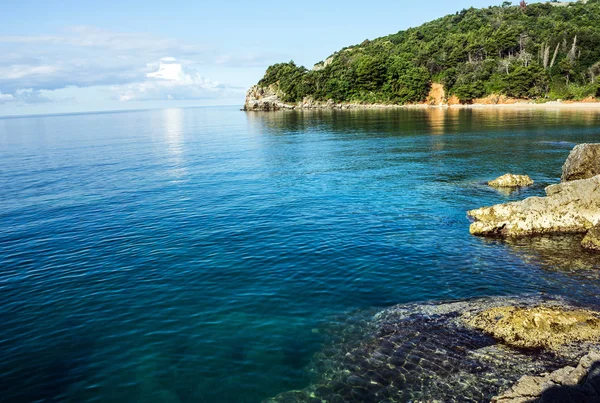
pixel 530 105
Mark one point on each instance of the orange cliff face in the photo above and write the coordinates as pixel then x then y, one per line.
pixel 437 95
pixel 453 100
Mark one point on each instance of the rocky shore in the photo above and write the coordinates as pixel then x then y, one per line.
pixel 567 384
pixel 457 351
pixel 502 349
pixel 572 206
pixel 269 98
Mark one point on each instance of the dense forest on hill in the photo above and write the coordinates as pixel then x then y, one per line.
pixel 538 51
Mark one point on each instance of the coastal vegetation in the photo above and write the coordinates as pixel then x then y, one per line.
pixel 540 51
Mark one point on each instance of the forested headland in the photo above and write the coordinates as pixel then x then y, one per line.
pixel 539 51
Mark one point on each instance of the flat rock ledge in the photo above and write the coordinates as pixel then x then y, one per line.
pixel 567 384
pixel 511 181
pixel 538 327
pixel 569 207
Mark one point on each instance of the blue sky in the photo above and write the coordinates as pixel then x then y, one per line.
pixel 72 56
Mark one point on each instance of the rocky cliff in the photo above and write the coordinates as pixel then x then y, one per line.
pixel 265 99
pixel 269 99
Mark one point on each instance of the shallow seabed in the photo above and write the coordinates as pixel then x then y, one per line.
pixel 205 254
pixel 425 353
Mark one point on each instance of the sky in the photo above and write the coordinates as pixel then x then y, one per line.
pixel 63 56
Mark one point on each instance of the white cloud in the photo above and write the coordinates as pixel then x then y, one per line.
pixel 6 98
pixel 86 56
pixel 95 38
pixel 169 70
pixel 31 96
pixel 24 96
pixel 173 81
pixel 17 71
pixel 86 63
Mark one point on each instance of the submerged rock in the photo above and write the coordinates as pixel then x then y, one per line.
pixel 567 384
pixel 570 207
pixel 583 163
pixel 537 327
pixel 511 181
pixel 557 253
pixel 592 239
pixel 426 353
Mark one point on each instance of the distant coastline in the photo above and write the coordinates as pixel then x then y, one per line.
pixel 508 54
pixel 268 99
pixel 574 105
pixel 567 105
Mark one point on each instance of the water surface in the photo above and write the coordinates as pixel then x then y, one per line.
pixel 198 254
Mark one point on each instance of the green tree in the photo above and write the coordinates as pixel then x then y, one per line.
pixel 408 83
pixel 370 72
pixel 527 52
pixel 527 82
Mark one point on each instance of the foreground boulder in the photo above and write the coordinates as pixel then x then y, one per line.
pixel 425 352
pixel 539 327
pixel 511 181
pixel 583 163
pixel 567 384
pixel 570 207
pixel 592 239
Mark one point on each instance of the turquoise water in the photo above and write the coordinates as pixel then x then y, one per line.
pixel 199 254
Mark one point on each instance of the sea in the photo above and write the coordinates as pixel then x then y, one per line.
pixel 201 254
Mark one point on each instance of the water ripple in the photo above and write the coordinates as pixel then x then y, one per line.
pixel 198 254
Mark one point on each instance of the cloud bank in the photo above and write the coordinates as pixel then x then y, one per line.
pixel 130 66
pixel 172 81
pixel 28 96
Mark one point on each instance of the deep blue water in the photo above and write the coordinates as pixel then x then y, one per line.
pixel 196 254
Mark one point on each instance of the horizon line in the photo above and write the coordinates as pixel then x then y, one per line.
pixel 108 111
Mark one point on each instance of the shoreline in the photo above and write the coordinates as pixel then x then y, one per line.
pixel 552 105
pixel 529 105
pixel 267 99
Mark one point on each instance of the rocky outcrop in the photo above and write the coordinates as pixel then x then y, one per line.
pixel 269 99
pixel 323 65
pixel 570 207
pixel 511 181
pixel 583 163
pixel 591 240
pixel 426 353
pixel 538 327
pixel 567 384
pixel 264 99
